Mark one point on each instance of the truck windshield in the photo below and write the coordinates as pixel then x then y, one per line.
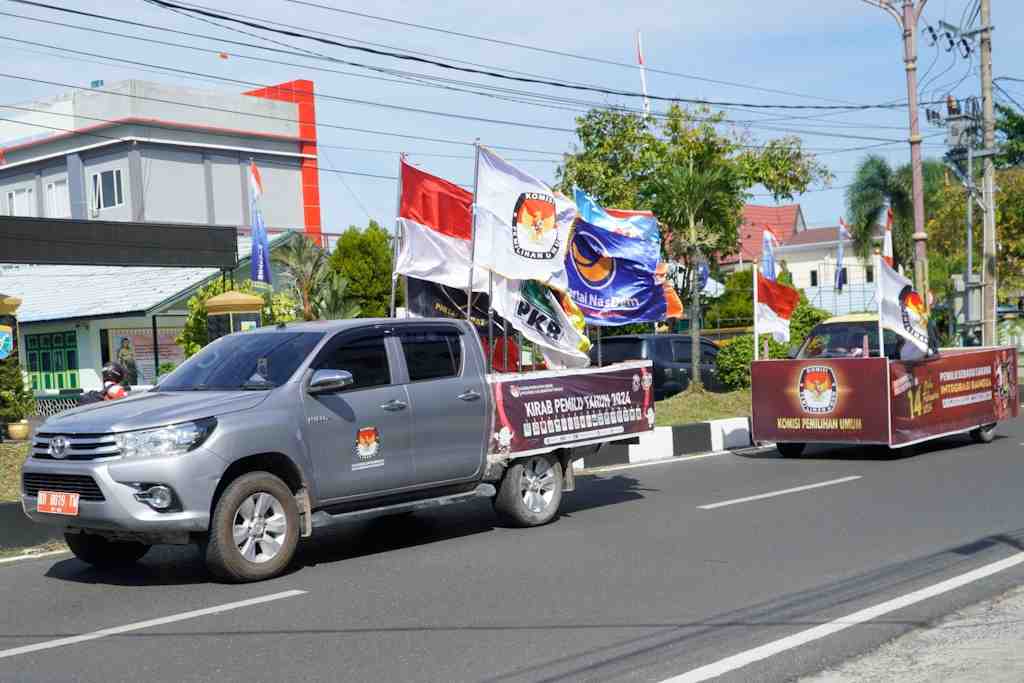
pixel 251 360
pixel 846 340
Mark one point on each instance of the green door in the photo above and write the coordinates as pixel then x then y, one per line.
pixel 52 360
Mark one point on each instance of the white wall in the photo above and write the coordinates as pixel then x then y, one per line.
pixel 227 190
pixel 282 194
pixel 800 263
pixel 173 185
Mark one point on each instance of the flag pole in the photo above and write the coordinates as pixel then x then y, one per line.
pixel 600 360
pixel 754 271
pixel 878 295
pixel 490 321
pixel 472 239
pixel 398 236
pixel 643 73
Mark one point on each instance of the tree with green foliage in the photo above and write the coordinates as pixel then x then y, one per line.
pixel 334 302
pixel 876 186
pixel 277 308
pixel 364 257
pixel 304 265
pixel 1010 134
pixel 700 184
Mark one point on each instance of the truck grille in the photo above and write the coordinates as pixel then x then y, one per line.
pixel 76 447
pixel 83 485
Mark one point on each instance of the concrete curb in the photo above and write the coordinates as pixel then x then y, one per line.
pixel 21 532
pixel 669 442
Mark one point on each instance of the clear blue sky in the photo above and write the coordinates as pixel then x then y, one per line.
pixel 835 50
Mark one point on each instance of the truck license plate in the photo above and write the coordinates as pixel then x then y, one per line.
pixel 57 503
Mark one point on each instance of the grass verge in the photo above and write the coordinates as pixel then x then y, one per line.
pixel 52 546
pixel 12 455
pixel 690 407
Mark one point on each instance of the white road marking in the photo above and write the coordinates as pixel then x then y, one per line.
pixel 668 461
pixel 32 556
pixel 783 492
pixel 138 626
pixel 757 654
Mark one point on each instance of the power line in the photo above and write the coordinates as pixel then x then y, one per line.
pixel 408 78
pixel 521 79
pixel 561 53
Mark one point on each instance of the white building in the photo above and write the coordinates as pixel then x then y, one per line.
pixel 811 257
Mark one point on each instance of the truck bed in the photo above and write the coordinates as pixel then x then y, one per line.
pixel 538 412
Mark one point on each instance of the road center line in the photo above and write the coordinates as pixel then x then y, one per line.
pixel 138 626
pixel 757 654
pixel 783 492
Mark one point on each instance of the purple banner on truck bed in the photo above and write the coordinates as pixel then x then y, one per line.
pixel 555 410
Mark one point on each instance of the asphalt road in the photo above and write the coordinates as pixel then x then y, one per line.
pixel 635 582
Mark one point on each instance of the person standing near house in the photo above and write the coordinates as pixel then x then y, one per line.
pixel 126 359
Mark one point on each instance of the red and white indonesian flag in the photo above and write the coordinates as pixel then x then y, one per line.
pixel 436 218
pixel 902 309
pixel 775 305
pixel 522 225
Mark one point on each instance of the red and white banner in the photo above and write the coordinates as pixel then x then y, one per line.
pixel 436 218
pixel 774 307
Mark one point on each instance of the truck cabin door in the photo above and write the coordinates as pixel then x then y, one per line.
pixel 448 394
pixel 359 435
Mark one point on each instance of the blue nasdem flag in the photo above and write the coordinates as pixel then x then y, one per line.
pixel 260 270
pixel 616 280
pixel 844 234
pixel 768 253
pixel 640 224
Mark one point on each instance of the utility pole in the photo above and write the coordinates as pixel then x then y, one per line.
pixel 988 298
pixel 907 19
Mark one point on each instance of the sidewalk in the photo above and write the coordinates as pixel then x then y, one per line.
pixel 979 643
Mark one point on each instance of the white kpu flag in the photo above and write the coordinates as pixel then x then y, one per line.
pixel 522 225
pixel 900 308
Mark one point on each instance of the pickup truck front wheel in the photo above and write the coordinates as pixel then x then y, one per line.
pixel 531 492
pixel 254 530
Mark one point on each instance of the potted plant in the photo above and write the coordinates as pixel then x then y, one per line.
pixel 16 406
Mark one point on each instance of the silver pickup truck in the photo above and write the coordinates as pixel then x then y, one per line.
pixel 265 435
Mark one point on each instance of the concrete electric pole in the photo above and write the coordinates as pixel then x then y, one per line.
pixel 907 18
pixel 988 297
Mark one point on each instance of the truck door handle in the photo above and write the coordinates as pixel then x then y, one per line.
pixel 394 405
pixel 469 395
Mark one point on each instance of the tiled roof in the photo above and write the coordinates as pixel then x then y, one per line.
pixel 62 292
pixel 812 236
pixel 781 219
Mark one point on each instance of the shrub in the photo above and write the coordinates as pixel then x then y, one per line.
pixel 735 359
pixel 805 317
pixel 16 401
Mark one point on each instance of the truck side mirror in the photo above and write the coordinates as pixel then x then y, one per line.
pixel 329 381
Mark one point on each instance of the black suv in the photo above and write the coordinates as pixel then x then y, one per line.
pixel 671 356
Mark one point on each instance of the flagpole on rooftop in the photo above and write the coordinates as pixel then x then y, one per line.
pixel 472 238
pixel 397 236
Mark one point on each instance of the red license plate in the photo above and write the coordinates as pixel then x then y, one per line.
pixel 57 503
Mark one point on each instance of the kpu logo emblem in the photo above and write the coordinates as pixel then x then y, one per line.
pixel 915 314
pixel 534 235
pixel 367 443
pixel 818 389
pixel 591 260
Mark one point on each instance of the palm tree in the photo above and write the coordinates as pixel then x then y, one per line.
pixel 877 186
pixel 332 303
pixel 698 198
pixel 305 265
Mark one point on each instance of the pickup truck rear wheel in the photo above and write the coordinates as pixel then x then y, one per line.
pixel 531 492
pixel 254 529
pixel 104 553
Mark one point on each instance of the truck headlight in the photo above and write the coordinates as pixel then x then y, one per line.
pixel 170 440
